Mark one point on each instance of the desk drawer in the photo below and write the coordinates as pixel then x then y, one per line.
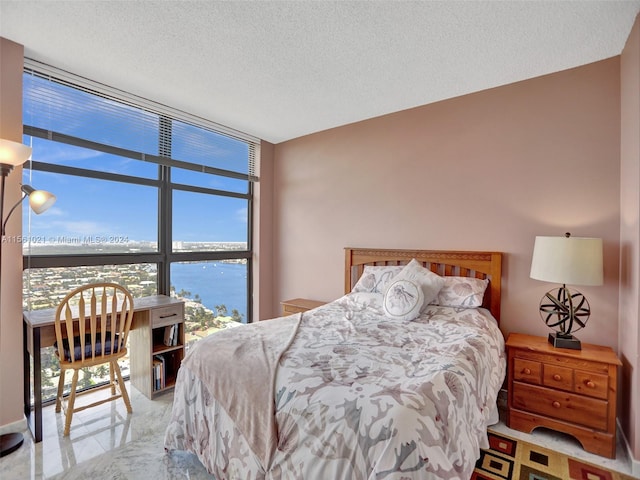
pixel 164 316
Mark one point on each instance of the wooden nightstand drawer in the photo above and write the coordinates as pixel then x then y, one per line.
pixel 558 377
pixel 592 384
pixel 565 406
pixel 289 307
pixel 527 371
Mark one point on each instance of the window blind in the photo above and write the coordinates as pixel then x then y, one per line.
pixel 83 110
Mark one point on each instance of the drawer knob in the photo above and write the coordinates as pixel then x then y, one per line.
pixel 526 371
pixel 589 384
pixel 556 404
pixel 557 377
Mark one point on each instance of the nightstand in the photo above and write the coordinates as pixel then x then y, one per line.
pixel 571 391
pixel 296 305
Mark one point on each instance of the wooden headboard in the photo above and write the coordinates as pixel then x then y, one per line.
pixel 443 262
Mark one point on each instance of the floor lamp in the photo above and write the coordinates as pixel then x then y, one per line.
pixel 13 154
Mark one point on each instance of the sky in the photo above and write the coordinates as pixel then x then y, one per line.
pixel 118 211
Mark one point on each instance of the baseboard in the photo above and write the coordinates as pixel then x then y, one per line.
pixel 19 426
pixel 635 463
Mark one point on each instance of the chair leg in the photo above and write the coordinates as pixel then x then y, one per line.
pixel 125 396
pixel 60 390
pixel 112 380
pixel 70 405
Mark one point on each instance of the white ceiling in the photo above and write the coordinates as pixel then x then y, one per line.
pixel 282 69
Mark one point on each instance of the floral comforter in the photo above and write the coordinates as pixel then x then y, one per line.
pixel 357 396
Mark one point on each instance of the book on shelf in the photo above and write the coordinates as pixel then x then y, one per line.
pixel 171 333
pixel 176 330
pixel 168 335
pixel 159 372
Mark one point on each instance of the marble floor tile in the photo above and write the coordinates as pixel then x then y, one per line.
pixel 107 443
pixel 104 443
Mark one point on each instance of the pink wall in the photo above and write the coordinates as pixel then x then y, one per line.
pixel 629 336
pixel 11 61
pixel 487 171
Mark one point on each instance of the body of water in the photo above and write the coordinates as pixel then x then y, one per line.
pixel 216 283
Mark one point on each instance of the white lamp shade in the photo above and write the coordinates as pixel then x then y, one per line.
pixel 13 153
pixel 41 200
pixel 567 260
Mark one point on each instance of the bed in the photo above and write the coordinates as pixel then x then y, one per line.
pixel 359 388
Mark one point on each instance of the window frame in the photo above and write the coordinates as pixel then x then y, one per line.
pixel 165 256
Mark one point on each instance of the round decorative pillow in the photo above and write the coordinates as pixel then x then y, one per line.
pixel 403 300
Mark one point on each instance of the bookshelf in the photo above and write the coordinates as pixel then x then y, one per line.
pixel 157 347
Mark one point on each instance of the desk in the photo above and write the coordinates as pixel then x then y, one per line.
pixel 38 329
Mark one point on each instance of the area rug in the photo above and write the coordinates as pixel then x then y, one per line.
pixel 512 459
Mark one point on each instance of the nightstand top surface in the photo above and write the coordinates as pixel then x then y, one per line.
pixel 595 353
pixel 303 303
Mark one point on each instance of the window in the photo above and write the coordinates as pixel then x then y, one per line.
pixel 146 196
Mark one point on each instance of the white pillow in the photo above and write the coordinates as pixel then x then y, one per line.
pixel 465 292
pixel 429 282
pixel 403 300
pixel 375 278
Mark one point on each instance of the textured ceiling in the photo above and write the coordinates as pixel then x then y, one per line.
pixel 279 70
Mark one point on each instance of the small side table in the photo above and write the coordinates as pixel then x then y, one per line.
pixel 297 305
pixel 571 391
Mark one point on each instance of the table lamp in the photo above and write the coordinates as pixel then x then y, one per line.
pixel 566 260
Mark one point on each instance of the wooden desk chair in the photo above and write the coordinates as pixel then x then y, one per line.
pixel 92 325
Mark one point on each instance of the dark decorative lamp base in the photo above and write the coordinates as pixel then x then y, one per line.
pixel 10 442
pixel 560 340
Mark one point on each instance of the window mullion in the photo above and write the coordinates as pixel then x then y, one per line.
pixel 165 222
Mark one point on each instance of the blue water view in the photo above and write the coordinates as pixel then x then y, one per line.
pixel 216 283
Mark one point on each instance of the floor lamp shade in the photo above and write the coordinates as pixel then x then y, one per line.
pixel 13 153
